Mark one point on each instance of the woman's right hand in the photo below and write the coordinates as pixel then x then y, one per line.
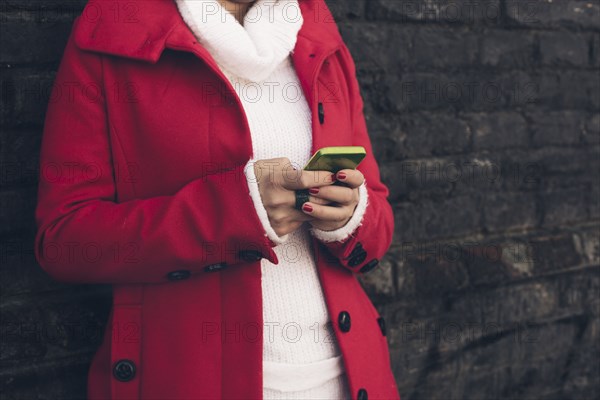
pixel 277 181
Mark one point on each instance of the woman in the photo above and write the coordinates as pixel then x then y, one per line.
pixel 171 168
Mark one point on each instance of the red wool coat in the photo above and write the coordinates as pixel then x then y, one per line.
pixel 142 187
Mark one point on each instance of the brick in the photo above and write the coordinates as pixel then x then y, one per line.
pixel 507 49
pixel 543 14
pixel 487 172
pixel 564 207
pixel 379 283
pixel 519 89
pixel 557 128
pixel 526 318
pixel 564 49
pixel 475 91
pixel 498 130
pixel 493 262
pixel 60 379
pixel 28 41
pixel 529 357
pixel 553 253
pixel 592 129
pixel 595 53
pixel 436 11
pixel 383 148
pixel 19 151
pixel 578 293
pixel 548 163
pixel 435 275
pixel 409 176
pixel 594 201
pixel 376 47
pixel 569 90
pixel 25 94
pixel 524 304
pixel 413 179
pixel 405 275
pixel 17 209
pixel 516 257
pixel 435 134
pixel 373 87
pixel 59 326
pixel 509 211
pixel 524 170
pixel 19 272
pixel 347 9
pixel 580 381
pixel 451 217
pixel 382 126
pixel 587 244
pixel 445 48
pixel 53 5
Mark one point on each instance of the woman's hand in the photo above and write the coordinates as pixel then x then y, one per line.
pixel 277 182
pixel 344 198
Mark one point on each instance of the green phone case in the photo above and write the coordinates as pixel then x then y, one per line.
pixel 336 158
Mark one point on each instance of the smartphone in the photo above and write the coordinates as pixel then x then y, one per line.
pixel 336 158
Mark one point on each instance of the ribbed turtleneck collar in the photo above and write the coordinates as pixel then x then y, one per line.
pixel 253 50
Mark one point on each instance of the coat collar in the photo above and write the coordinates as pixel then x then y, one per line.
pixel 142 29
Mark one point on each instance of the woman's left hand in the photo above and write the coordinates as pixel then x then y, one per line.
pixel 344 198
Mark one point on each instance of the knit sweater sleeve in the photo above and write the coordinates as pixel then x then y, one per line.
pixel 259 206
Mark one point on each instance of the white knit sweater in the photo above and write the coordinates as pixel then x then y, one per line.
pixel 301 358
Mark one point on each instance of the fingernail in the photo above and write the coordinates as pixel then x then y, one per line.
pixel 307 208
pixel 313 190
pixel 332 177
pixel 341 175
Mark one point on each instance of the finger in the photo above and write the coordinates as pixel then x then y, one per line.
pixel 339 194
pixel 288 199
pixel 316 200
pixel 320 201
pixel 327 213
pixel 301 179
pixel 352 177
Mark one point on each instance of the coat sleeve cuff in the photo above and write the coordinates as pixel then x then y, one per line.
pixel 259 206
pixel 341 234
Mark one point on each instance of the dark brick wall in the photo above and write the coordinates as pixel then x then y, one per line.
pixel 484 115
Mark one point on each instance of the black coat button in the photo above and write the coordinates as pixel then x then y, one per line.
pixel 250 255
pixel 344 321
pixel 357 259
pixel 369 266
pixel 357 249
pixel 124 370
pixel 179 275
pixel 381 323
pixel 215 267
pixel 362 394
pixel 321 113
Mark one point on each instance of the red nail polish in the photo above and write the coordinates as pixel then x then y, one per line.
pixel 307 207
pixel 313 190
pixel 333 177
pixel 341 175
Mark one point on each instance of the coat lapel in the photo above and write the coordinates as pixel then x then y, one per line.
pixel 143 29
